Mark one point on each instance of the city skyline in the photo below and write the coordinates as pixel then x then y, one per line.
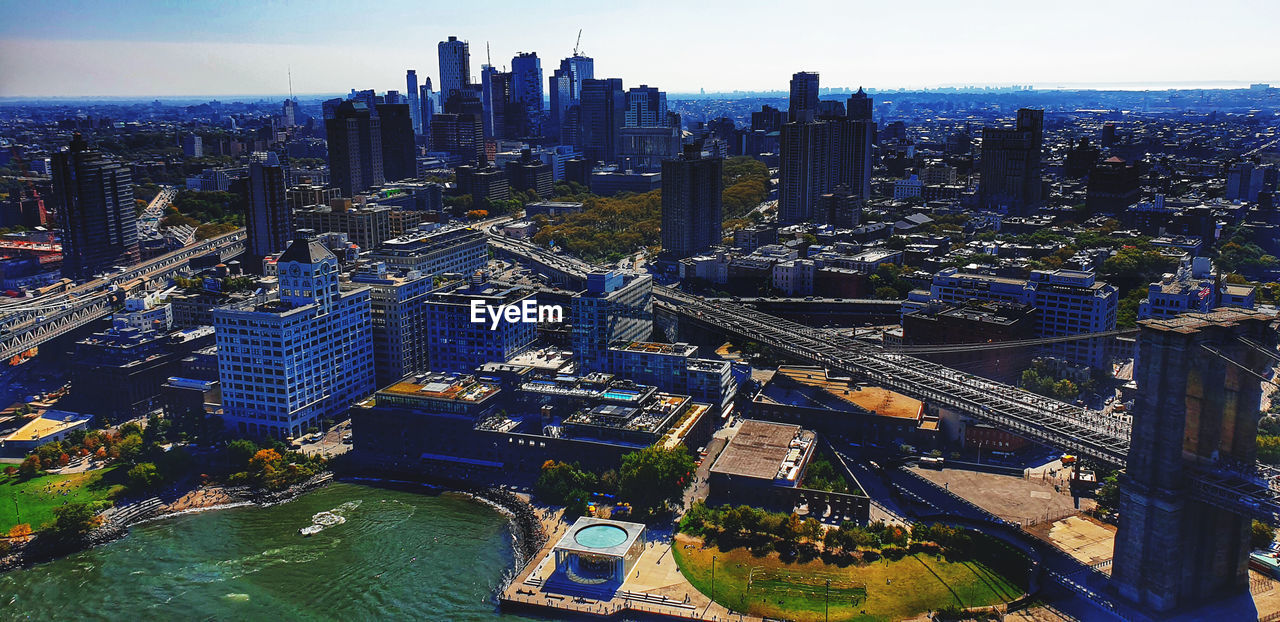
pixel 58 52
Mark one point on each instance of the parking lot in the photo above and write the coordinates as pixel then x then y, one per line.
pixel 1027 499
pixel 335 442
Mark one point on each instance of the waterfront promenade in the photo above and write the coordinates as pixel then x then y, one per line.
pixel 655 586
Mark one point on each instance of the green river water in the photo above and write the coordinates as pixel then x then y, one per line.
pixel 398 556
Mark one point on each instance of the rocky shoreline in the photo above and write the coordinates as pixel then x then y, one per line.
pixel 38 550
pixel 525 526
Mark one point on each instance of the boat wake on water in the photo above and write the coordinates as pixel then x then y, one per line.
pixel 323 520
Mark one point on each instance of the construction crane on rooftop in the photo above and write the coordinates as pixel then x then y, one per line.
pixel 575 43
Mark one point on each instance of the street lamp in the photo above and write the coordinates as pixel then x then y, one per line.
pixel 826 603
pixel 713 578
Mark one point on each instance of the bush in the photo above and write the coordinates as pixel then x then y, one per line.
pixel 1262 535
pixel 144 476
pixel 73 521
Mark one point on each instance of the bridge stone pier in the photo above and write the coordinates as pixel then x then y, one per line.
pixel 1194 410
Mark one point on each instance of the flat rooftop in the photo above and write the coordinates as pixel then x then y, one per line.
pixel 599 536
pixel 765 450
pixel 443 387
pixel 1194 322
pixel 552 359
pixel 657 347
pixel 877 400
pixel 49 423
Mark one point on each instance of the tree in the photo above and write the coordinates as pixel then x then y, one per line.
pixel 19 531
pixel 1108 496
pixel 559 481
pixel 128 448
pixel 240 451
pixel 144 476
pixel 1262 535
pixel 654 477
pixel 886 293
pixel 73 521
pixel 30 467
pixel 1065 390
pixel 1135 267
pixel 265 462
pixel 1127 312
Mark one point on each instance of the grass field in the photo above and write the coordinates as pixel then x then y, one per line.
pixel 33 501
pixel 881 590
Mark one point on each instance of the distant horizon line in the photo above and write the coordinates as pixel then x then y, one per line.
pixel 1154 86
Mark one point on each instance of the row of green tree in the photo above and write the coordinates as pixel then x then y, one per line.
pixel 762 531
pixel 651 480
pixel 1041 379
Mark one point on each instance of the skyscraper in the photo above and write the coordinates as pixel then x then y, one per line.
pixel 615 306
pixel 399 153
pixel 646 107
pixel 461 135
pixel 268 222
pixel 858 106
pixel 601 115
pixel 399 317
pixel 853 154
pixel 820 153
pixel 427 105
pixel 692 217
pixel 768 119
pixel 289 113
pixel 415 109
pixel 500 107
pixel 1246 180
pixel 1010 169
pixel 455 67
pixel 806 169
pixel 369 98
pixel 803 105
pixel 94 197
pixel 526 70
pixel 288 364
pixel 355 148
pixel 566 92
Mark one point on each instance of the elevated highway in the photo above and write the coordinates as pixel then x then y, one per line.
pixel 25 324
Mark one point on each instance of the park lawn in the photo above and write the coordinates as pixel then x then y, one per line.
pixel 881 590
pixel 32 501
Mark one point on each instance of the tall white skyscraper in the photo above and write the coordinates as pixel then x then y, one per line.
pixel 288 363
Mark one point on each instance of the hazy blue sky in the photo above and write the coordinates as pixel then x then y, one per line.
pixel 136 47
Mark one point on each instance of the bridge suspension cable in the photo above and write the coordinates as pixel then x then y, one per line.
pixel 1003 345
